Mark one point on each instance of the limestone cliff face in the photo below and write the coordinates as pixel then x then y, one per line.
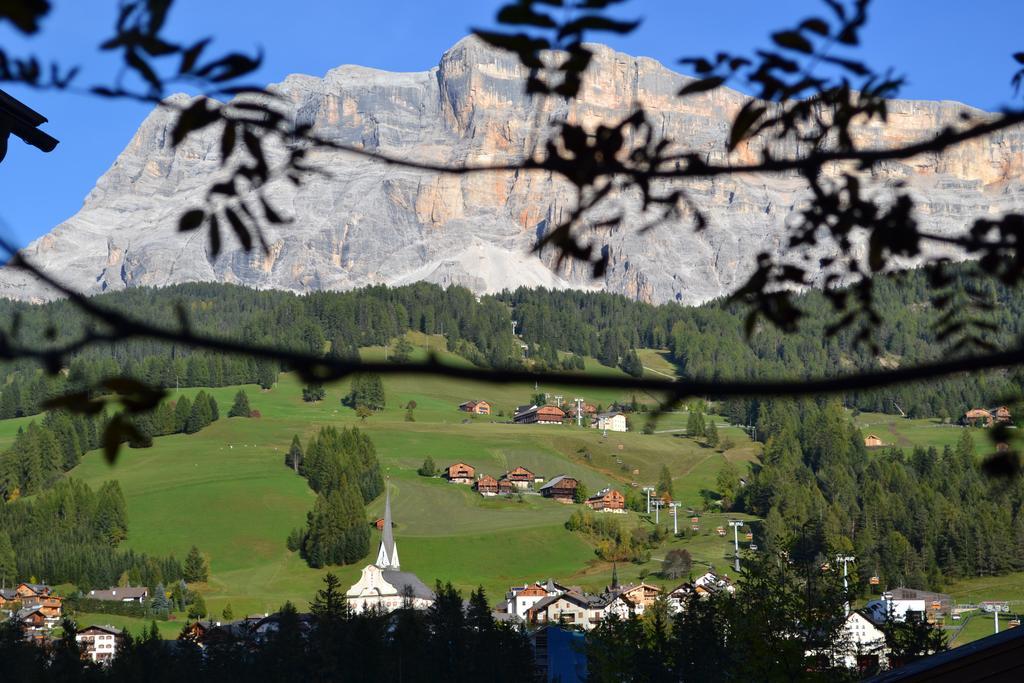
pixel 373 223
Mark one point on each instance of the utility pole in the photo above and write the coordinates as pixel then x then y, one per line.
pixel 657 509
pixel 647 490
pixel 558 400
pixel 736 524
pixel 845 559
pixel 675 516
pixel 579 412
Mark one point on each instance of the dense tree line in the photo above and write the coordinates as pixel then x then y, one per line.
pixel 911 520
pixel 325 323
pixel 71 534
pixel 44 450
pixel 559 327
pixel 342 467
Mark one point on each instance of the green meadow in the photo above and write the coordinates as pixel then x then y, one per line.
pixel 228 491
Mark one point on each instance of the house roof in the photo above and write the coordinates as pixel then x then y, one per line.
pixel 8 593
pixel 37 587
pixel 994 658
pixel 555 481
pixel 119 593
pixel 609 413
pixel 26 612
pixel 107 628
pixel 903 593
pixel 401 580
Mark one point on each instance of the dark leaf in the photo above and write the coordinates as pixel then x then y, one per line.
pixel 190 56
pixel 241 230
pixel 792 40
pixel 191 220
pixel 597 23
pixel 1019 56
pixel 214 236
pixel 523 14
pixel 195 117
pixel 227 142
pixel 745 119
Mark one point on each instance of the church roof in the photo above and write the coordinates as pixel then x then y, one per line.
pixel 402 580
pixel 387 556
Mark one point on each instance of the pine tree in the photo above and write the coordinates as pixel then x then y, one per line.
pixel 197 610
pixel 294 457
pixel 196 569
pixel 227 614
pixel 665 482
pixel 214 410
pixel 240 408
pixel 711 434
pixel 199 416
pixel 182 411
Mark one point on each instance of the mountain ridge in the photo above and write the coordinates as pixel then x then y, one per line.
pixel 373 223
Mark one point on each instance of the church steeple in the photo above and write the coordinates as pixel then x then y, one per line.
pixel 387 555
pixel 615 577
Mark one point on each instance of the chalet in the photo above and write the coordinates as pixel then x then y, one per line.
pixel 461 473
pixel 28 590
pixel 486 485
pixel 506 487
pixel 476 407
pixel 520 599
pixel 570 608
pixel 640 595
pixel 522 478
pixel 872 441
pixel 587 411
pixel 120 594
pixel 613 421
pixel 33 622
pixel 8 596
pixel 607 500
pixel 562 488
pixel 99 643
pixel 1002 414
pixel 49 605
pixel 863 645
pixel 544 415
pixel 710 583
pixel 978 416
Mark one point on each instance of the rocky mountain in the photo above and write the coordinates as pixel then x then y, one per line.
pixel 369 223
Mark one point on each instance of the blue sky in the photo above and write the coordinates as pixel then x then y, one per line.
pixel 947 49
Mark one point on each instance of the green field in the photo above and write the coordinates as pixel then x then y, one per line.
pixel 228 491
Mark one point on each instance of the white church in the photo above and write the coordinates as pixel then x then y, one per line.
pixel 382 584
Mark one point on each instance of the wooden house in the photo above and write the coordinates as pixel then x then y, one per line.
pixel 978 417
pixel 505 486
pixel 1001 414
pixel 607 500
pixel 486 485
pixel 476 407
pixel 28 590
pixel 543 415
pixel 522 478
pixel 562 488
pixel 588 411
pixel 8 596
pixel 461 473
pixel 872 441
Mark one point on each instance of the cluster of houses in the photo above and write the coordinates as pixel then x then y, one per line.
pixel 987 417
pixel 561 488
pixel 611 420
pixel 544 603
pixel 36 610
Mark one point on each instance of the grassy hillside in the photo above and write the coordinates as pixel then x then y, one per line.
pixel 228 491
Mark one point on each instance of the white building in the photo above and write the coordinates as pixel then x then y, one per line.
pixel 864 644
pixel 612 421
pixel 99 643
pixel 382 585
